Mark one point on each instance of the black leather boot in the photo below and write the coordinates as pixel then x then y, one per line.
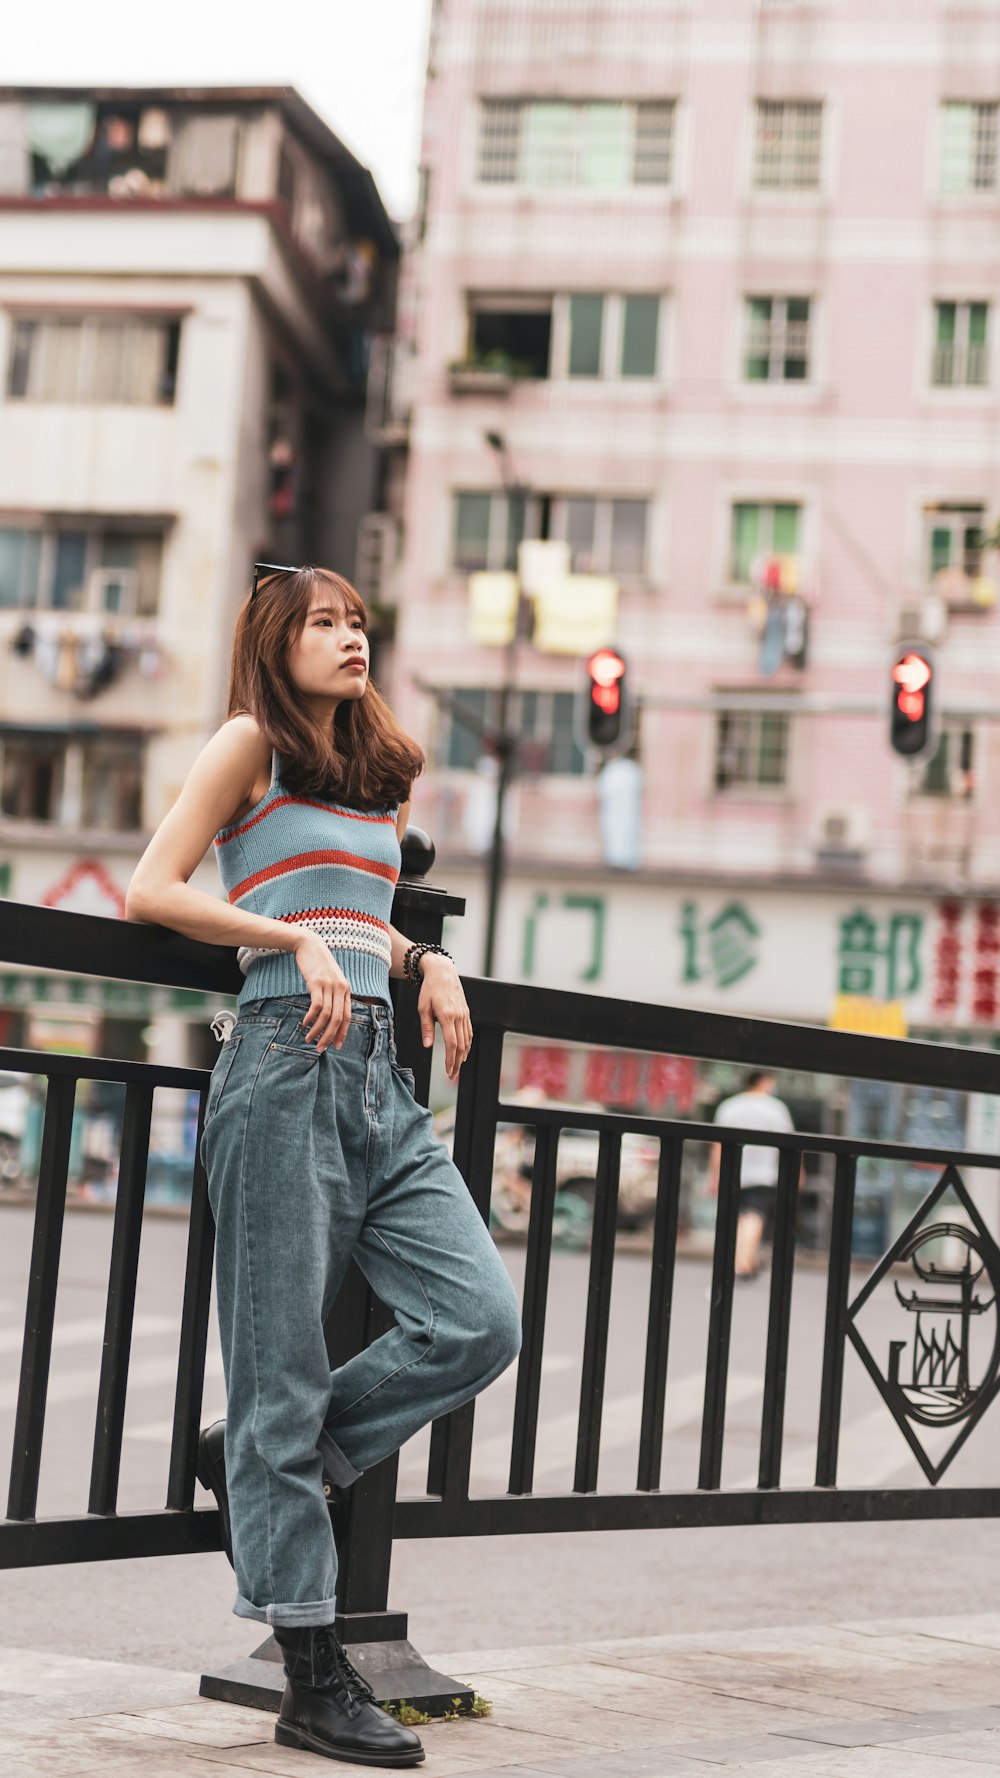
pixel 328 1708
pixel 211 1472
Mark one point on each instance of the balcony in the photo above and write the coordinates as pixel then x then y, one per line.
pixel 490 376
pixel 389 403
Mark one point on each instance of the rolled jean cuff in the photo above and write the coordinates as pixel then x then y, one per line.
pixel 338 1467
pixel 296 1613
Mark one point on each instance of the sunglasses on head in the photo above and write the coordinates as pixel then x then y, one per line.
pixel 266 568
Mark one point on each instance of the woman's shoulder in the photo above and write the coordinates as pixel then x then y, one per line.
pixel 244 737
pixel 248 747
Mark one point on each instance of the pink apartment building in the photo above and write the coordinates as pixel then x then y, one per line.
pixel 723 277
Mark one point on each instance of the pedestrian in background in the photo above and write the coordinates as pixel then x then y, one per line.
pixel 315 1148
pixel 755 1108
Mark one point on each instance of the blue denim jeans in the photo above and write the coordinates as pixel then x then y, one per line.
pixel 313 1160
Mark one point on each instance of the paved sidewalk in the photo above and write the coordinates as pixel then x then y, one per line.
pixel 915 1697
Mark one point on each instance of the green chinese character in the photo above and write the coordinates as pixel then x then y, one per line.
pixel 689 934
pixel 904 971
pixel 594 906
pixel 859 954
pixel 732 937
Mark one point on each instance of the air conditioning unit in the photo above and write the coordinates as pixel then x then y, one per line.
pixel 921 617
pixel 112 591
pixel 375 558
pixel 841 833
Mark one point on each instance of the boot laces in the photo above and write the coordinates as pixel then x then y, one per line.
pixel 343 1677
pixel 354 1681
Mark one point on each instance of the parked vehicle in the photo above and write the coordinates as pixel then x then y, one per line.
pixel 576 1166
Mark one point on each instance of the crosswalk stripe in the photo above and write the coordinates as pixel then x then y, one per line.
pixel 557 1435
pixel 160 1432
pixel 70 1333
pixel 871 1450
pixel 143 1373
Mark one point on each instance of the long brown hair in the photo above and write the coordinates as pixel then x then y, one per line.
pixel 364 760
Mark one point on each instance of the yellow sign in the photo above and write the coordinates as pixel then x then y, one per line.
pixel 871 1018
pixel 492 608
pixel 575 615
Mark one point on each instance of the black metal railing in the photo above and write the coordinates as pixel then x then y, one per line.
pixel 45 938
pixel 499 1010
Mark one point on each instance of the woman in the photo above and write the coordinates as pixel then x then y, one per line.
pixel 314 1147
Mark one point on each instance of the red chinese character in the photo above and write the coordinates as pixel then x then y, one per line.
pixel 988 930
pixel 673 1078
pixel 545 1069
pixel 612 1077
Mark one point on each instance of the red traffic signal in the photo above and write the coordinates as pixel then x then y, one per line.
pixel 605 697
pixel 911 730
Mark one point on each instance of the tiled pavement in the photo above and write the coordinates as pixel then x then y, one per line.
pixel 913 1698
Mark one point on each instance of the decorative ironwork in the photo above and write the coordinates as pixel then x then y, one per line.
pixel 931 1378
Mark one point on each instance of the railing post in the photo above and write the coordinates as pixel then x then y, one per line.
pixel 363 1515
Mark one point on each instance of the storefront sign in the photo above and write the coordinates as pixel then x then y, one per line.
pixel 777 953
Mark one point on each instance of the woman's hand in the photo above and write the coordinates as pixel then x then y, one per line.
pixel 329 1016
pixel 442 997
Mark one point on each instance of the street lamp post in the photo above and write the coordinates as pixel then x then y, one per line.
pixel 505 740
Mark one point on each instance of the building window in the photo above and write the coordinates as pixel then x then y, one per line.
pixel 207 157
pixel 968 147
pixel 777 339
pixel 31 782
pixel 542 720
pixel 499 141
pixel 78 568
pixel 640 332
pixel 761 529
pixel 115 360
pixel 751 750
pixel 613 336
pixel 953 539
pixel 586 324
pixel 511 333
pixel 605 536
pixel 73 782
pixel 787 144
pixel 486 530
pixel 111 784
pixel 950 770
pixel 960 345
pixel 561 144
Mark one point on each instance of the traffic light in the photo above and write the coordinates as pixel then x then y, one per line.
pixel 911 729
pixel 606 699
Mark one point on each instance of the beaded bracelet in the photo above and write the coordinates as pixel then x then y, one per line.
pixel 411 961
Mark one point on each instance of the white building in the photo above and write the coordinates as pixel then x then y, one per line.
pixel 188 283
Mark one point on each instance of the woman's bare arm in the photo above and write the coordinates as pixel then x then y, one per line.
pixel 442 996
pixel 219 781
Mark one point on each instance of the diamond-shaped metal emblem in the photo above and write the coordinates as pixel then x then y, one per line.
pixel 930 1377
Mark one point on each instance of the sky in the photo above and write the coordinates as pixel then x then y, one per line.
pixel 359 63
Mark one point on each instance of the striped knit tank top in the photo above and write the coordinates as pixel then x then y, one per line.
pixel 313 863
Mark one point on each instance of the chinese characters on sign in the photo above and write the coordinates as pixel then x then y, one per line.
pixel 611 1077
pixel 723 949
pixel 591 908
pixel 879 957
pixel 940 962
pixel 965 986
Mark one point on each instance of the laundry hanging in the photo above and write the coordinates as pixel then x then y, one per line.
pixel 60 132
